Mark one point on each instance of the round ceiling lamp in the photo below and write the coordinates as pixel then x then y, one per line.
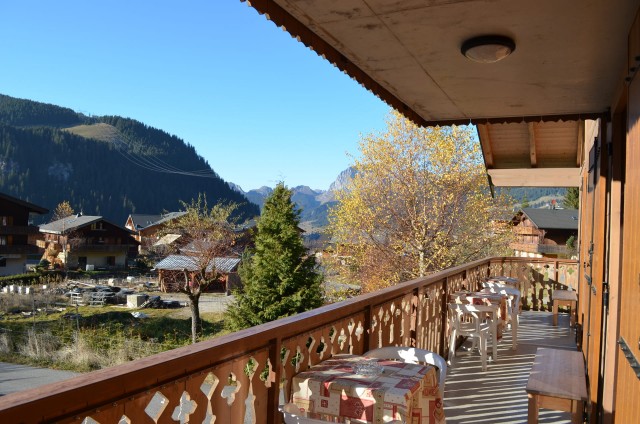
pixel 488 48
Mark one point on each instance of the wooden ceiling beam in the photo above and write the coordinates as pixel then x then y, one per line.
pixel 485 143
pixel 532 144
pixel 580 141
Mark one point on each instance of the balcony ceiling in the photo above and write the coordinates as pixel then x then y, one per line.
pixel 568 60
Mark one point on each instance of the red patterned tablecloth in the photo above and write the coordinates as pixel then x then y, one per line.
pixel 332 391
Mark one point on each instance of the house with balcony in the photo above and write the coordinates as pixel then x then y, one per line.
pixel 87 242
pixel 554 91
pixel 544 232
pixel 17 235
pixel 146 227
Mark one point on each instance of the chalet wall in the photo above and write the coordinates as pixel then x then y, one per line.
pixel 14 266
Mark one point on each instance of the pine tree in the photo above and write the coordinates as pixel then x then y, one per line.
pixel 525 201
pixel 572 198
pixel 279 278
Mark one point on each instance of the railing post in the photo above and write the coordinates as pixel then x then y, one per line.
pixel 275 345
pixel 556 274
pixel 443 316
pixel 366 341
pixel 416 314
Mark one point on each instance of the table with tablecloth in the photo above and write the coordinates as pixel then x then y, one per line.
pixel 333 391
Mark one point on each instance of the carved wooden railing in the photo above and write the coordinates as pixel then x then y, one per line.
pixel 244 376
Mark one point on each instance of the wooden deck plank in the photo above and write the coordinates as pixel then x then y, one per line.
pixel 498 396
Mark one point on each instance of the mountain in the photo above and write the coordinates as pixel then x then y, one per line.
pixel 109 165
pixel 314 204
pixel 537 197
pixel 257 196
pixel 343 179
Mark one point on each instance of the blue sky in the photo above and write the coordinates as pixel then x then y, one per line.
pixel 255 103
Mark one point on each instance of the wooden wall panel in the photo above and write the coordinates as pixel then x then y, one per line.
pixel 627 401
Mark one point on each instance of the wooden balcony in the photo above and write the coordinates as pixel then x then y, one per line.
pixel 247 374
pixel 498 395
pixel 19 229
pixel 545 249
pixel 80 248
pixel 19 249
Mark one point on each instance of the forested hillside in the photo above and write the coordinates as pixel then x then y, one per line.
pixel 108 166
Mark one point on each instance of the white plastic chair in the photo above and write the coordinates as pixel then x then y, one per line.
pixel 412 355
pixel 293 415
pixel 513 307
pixel 469 320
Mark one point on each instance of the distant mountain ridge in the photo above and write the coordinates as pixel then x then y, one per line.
pixel 314 203
pixel 109 165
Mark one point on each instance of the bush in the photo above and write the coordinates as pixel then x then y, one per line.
pixel 20 279
pixel 39 345
pixel 32 279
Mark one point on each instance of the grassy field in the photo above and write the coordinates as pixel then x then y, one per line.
pixel 87 337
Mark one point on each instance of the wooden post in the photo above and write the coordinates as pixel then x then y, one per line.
pixel 443 316
pixel 274 391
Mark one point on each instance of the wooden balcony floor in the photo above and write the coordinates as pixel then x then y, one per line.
pixel 498 395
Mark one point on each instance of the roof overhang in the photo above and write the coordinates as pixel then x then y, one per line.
pixel 535 154
pixel 566 67
pixel 535 177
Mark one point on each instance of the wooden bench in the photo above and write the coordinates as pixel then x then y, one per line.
pixel 558 382
pixel 564 298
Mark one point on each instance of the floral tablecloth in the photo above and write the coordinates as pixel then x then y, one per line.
pixel 332 391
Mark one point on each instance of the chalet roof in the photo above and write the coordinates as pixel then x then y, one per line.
pixel 30 206
pixel 142 221
pixel 75 222
pixel 167 239
pixel 181 262
pixel 557 219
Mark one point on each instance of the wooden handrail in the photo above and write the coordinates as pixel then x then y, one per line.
pixel 408 313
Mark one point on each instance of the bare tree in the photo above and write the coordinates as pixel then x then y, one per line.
pixel 206 236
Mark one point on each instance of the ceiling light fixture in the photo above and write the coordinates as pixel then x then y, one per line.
pixel 488 48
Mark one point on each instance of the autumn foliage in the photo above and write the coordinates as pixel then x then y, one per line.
pixel 420 202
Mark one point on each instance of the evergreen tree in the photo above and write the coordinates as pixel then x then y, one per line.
pixel 525 201
pixel 572 198
pixel 279 278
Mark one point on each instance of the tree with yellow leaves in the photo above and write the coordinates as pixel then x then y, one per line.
pixel 420 202
pixel 63 210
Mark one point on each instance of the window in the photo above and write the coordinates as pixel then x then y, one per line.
pixel 111 260
pixel 3 240
pixel 3 263
pixel 97 226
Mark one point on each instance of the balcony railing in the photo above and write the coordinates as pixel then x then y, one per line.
pixel 521 229
pixel 18 249
pixel 248 373
pixel 79 248
pixel 19 229
pixel 549 249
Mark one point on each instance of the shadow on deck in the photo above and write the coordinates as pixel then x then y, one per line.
pixel 498 395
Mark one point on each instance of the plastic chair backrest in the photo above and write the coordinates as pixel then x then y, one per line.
pixel 475 312
pixel 513 293
pixel 412 355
